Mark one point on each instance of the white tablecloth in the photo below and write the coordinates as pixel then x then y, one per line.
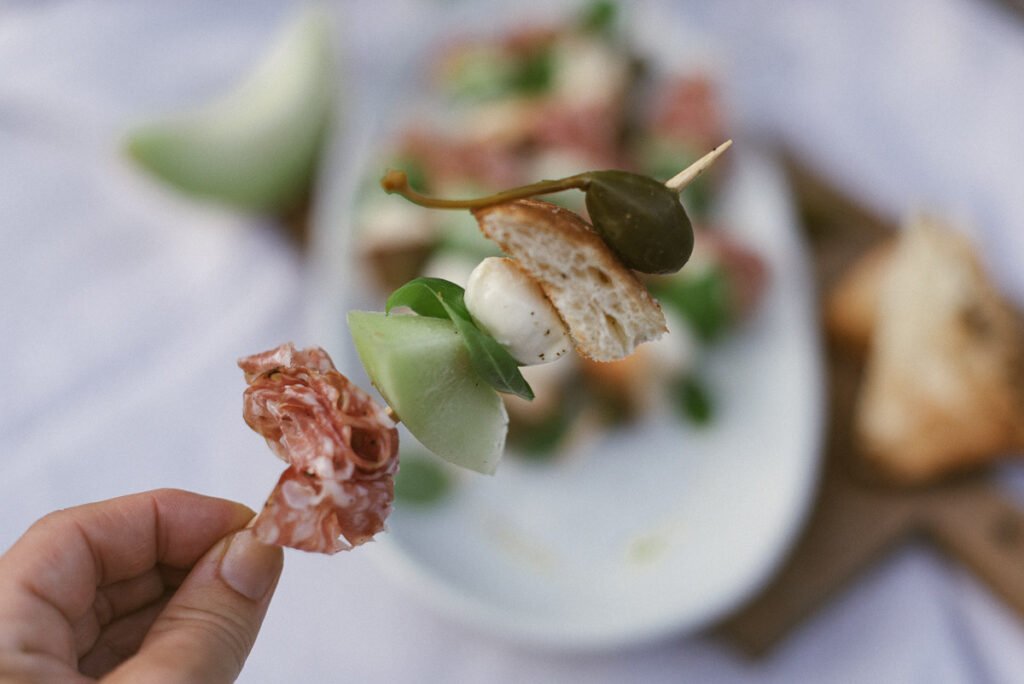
pixel 124 306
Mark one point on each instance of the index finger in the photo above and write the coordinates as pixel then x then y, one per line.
pixel 67 554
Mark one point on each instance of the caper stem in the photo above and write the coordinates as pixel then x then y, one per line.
pixel 690 173
pixel 397 182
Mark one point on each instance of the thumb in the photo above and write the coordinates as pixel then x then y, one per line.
pixel 210 624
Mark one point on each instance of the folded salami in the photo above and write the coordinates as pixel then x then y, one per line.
pixel 341 448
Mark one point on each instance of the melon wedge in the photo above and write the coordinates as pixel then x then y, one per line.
pixel 421 368
pixel 257 147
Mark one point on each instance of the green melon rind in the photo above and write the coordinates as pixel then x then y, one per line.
pixel 422 369
pixel 257 147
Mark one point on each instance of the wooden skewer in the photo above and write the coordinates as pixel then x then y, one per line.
pixel 690 173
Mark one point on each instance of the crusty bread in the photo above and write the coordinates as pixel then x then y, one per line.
pixel 606 308
pixel 851 304
pixel 944 382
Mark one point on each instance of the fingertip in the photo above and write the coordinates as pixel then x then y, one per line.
pixel 210 624
pixel 251 567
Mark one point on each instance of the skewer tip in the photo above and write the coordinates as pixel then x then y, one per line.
pixel 690 173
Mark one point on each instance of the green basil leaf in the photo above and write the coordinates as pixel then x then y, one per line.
pixel 425 295
pixel 695 400
pixel 489 359
pixel 439 298
pixel 420 481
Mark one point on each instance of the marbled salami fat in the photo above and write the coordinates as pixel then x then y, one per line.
pixel 341 449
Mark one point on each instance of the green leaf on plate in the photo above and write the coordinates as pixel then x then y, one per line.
pixel 438 298
pixel 421 481
pixel 694 400
pixel 599 16
pixel 704 299
pixel 534 73
pixel 540 440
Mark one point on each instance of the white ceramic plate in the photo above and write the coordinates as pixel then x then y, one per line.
pixel 653 531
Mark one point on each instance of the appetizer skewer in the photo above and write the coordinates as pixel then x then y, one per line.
pixel 442 369
pixel 682 179
pixel 564 281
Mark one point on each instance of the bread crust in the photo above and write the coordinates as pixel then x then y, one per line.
pixel 944 385
pixel 851 305
pixel 606 308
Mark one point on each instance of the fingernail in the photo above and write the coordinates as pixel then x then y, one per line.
pixel 250 566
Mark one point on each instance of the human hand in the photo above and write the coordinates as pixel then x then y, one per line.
pixel 140 588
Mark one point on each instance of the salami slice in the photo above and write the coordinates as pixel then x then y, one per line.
pixel 341 448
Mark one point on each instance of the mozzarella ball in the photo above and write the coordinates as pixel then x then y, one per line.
pixel 506 303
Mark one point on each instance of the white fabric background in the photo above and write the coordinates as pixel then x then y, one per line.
pixel 123 306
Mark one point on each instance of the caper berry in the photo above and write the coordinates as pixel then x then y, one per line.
pixel 640 219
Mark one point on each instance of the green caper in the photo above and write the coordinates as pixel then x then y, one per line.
pixel 640 219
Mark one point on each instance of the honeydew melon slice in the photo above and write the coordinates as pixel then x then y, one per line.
pixel 421 367
pixel 257 147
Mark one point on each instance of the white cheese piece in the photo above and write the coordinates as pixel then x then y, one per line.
pixel 512 309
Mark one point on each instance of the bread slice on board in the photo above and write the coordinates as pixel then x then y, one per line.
pixel 606 308
pixel 851 305
pixel 944 382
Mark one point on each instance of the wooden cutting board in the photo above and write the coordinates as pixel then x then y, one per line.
pixel 856 521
